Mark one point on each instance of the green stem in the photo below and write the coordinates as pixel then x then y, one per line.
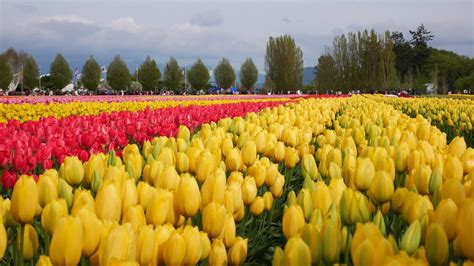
pixel 47 239
pixel 22 240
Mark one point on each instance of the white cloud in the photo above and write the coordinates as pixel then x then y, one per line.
pixel 207 18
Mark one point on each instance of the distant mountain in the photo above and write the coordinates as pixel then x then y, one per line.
pixel 308 76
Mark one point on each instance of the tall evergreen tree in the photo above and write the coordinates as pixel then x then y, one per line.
pixel 198 76
pixel 420 38
pixel 389 72
pixel 284 63
pixel 13 60
pixel 149 74
pixel 224 74
pixel 173 76
pixel 248 74
pixel 325 73
pixel 403 56
pixel 61 74
pixel 91 74
pixel 30 72
pixel 5 73
pixel 118 75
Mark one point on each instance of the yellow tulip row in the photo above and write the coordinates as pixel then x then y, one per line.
pixel 174 201
pixel 376 172
pixel 33 112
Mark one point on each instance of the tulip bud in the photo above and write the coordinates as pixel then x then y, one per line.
pixel 193 248
pixel 135 216
pixel 259 172
pixel 453 168
pixel 229 231
pixel 182 162
pixel 65 192
pixel 107 204
pixel 118 244
pixel 3 239
pixel 213 188
pixel 257 207
pixel 268 200
pixel 93 231
pixel 278 257
pixel 297 252
pixel 145 244
pixel 436 245
pixel 309 168
pixel 277 187
pixel 233 160
pixel 205 165
pixel 249 190
pixel 321 197
pixel 435 181
pixel 365 173
pixel 453 189
pixel 218 255
pixel 213 219
pixel 249 153
pixel 47 189
pixel 465 223
pixel 73 170
pixel 467 160
pixel 380 223
pixel 67 242
pixel 159 206
pixel 312 237
pixel 24 200
pixel 411 239
pixel 446 214
pixel 305 202
pixel 94 167
pixel 44 261
pixel 293 221
pixel 291 157
pixel 331 243
pixel 183 133
pixel 381 189
pixel 52 213
pixel 238 252
pixel 205 245
pixel 30 242
pixel 167 156
pixel 457 147
pixel 336 187
pixel 174 249
pixel 168 179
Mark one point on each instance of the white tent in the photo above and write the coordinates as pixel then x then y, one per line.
pixel 68 88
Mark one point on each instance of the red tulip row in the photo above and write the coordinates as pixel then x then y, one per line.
pixel 34 145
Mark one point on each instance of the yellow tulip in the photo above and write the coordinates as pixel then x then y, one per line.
pixel 205 245
pixel 331 241
pixel 159 206
pixel 465 223
pixel 218 254
pixel 30 242
pixel 259 172
pixel 73 170
pixel 168 179
pixel 291 157
pixel 365 173
pixel 293 221
pixel 446 214
pixel 249 153
pixel 382 188
pixel 119 243
pixel 454 190
pixel 249 190
pixel 229 231
pixel 47 189
pixel 24 200
pixel 415 159
pixel 205 165
pixel 189 196
pixel 297 252
pixel 213 219
pixel 167 157
pixel 67 242
pixel 193 248
pixel 271 175
pixel 279 152
pixel 257 207
pixel 453 168
pixel 321 197
pixel 129 194
pixel 233 160
pixel 336 187
pixel 238 252
pixel 277 187
pixel 145 244
pixel 152 171
pixel 311 235
pixel 278 257
pixel 436 245
pixel 93 230
pixel 144 193
pixel 411 239
pixel 309 167
pixel 82 199
pixel 44 261
pixel 183 133
pixel 457 147
pixel 3 239
pixel 95 166
pixel 182 162
pixel 213 188
pixel 134 165
pixel 65 192
pixel 268 200
pixel 304 200
pixel 135 216
pixel 52 213
pixel 467 160
pixel 107 204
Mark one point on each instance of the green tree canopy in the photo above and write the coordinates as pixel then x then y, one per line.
pixel 224 74
pixel 284 63
pixel 325 73
pixel 149 74
pixel 118 75
pixel 173 76
pixel 61 74
pixel 248 74
pixel 30 73
pixel 5 73
pixel 91 74
pixel 198 76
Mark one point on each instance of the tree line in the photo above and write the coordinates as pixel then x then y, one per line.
pixel 369 62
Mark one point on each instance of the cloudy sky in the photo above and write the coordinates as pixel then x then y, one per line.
pixel 215 29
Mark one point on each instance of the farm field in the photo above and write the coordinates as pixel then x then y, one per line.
pixel 248 179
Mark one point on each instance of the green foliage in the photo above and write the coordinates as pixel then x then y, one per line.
pixel 224 74
pixel 5 73
pixel 30 73
pixel 325 73
pixel 465 83
pixel 248 74
pixel 198 76
pixel 284 63
pixel 91 74
pixel 173 76
pixel 118 75
pixel 61 74
pixel 149 74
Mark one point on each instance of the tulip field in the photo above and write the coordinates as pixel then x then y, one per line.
pixel 232 180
